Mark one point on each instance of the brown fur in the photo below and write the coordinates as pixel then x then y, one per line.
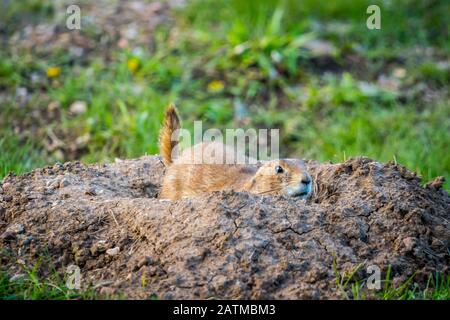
pixel 167 141
pixel 186 178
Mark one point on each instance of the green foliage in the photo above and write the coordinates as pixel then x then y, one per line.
pixel 352 286
pixel 254 55
pixel 15 14
pixel 381 134
pixel 31 286
pixel 17 155
pixel 124 112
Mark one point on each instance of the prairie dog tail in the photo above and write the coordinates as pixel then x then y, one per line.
pixel 167 141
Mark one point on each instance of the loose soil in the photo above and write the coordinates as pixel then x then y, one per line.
pixel 108 220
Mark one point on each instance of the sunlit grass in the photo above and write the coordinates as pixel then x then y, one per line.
pixel 352 287
pixel 31 285
pixel 17 155
pixel 417 140
pixel 324 118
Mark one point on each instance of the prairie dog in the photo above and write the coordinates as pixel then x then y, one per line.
pixel 185 177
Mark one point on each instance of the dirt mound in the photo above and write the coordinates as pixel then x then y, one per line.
pixel 107 220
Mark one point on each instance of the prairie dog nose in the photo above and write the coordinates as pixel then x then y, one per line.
pixel 306 179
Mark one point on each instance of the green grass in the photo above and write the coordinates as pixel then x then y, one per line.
pixel 416 139
pixel 405 22
pixel 322 116
pixel 42 281
pixel 18 156
pixel 352 286
pixel 30 285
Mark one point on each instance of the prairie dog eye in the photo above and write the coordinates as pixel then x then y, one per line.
pixel 279 169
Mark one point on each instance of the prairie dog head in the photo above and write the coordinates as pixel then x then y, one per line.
pixel 283 177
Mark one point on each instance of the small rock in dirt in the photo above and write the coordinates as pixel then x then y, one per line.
pixel 1 190
pixel 17 277
pixel 53 184
pixel 15 228
pixel 102 284
pixel 22 95
pixel 409 243
pixel 7 198
pixel 8 236
pixel 6 186
pixel 151 190
pixel 58 167
pixel 53 106
pixel 78 107
pixel 436 183
pixel 168 296
pixel 99 247
pixel 64 183
pixel 21 262
pixel 83 140
pixel 146 261
pixel 399 72
pixel 91 192
pixel 107 291
pixel 80 255
pixel 27 241
pixel 32 197
pixel 113 251
pixel 320 48
pixel 220 282
pixel 40 189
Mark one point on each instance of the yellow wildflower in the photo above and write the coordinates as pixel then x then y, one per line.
pixel 216 86
pixel 53 72
pixel 133 64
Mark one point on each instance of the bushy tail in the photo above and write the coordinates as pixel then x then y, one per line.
pixel 166 142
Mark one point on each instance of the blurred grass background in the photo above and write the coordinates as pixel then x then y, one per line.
pixel 311 68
